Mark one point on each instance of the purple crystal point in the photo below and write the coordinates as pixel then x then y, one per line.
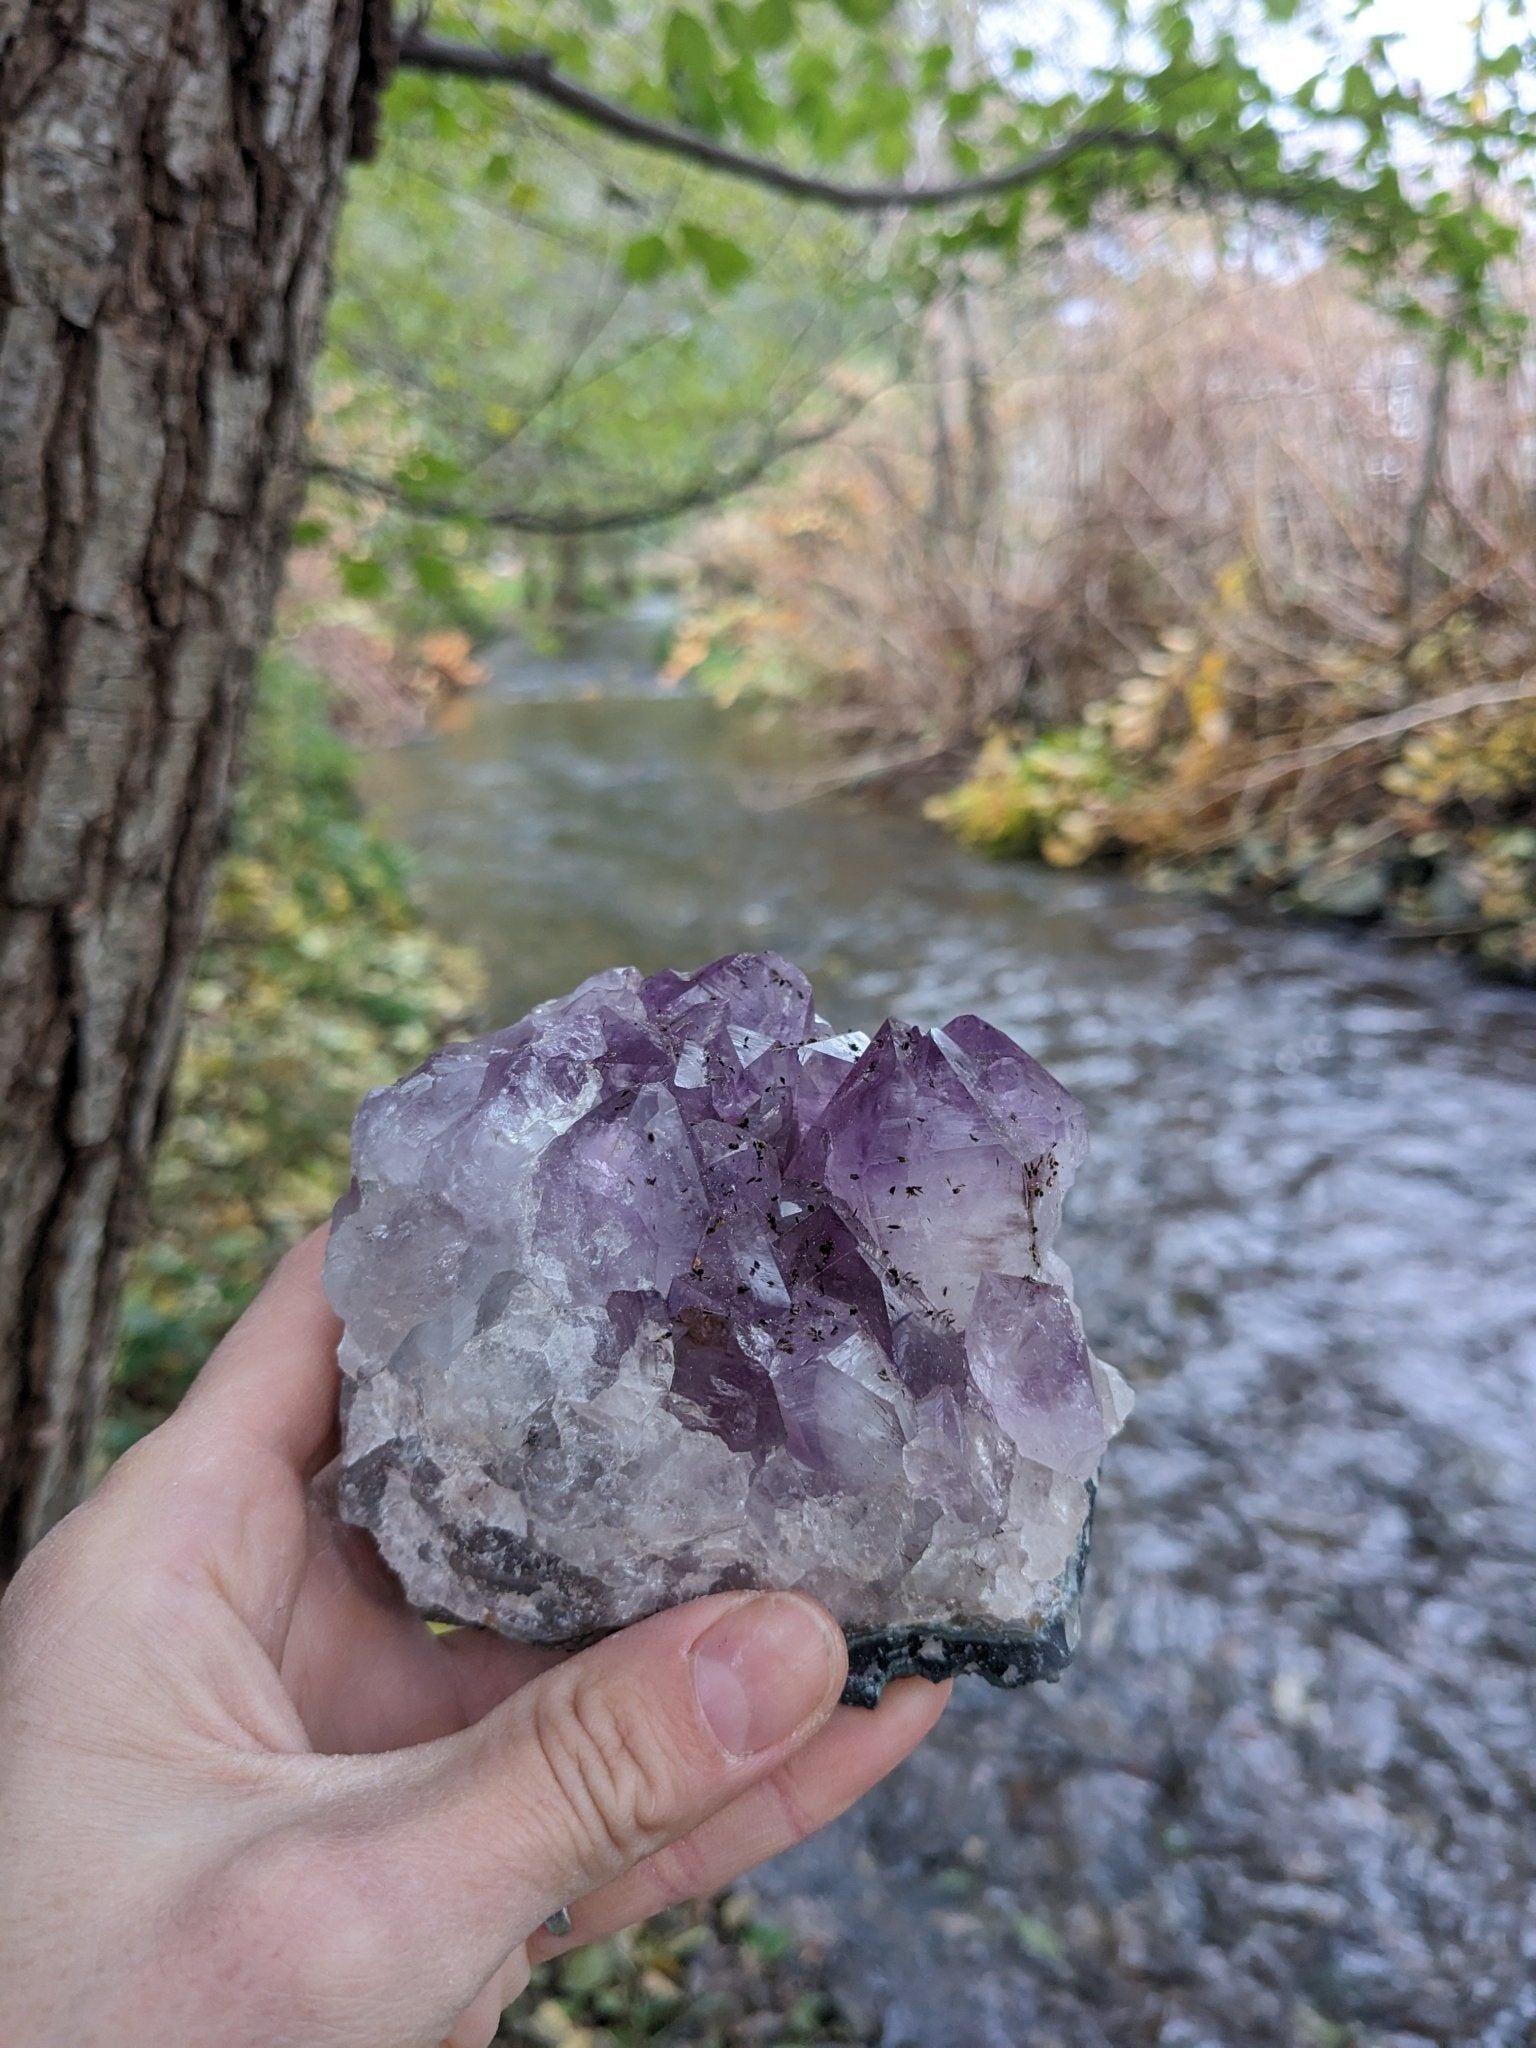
pixel 1029 1362
pixel 669 1288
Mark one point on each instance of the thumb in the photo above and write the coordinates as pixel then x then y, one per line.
pixel 604 1759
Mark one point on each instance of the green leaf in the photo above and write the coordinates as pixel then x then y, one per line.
pixel 689 56
pixel 446 125
pixel 880 107
pixel 754 113
pixel 892 152
pixel 425 473
pixel 933 67
pixel 647 258
pixel 1175 28
pixel 435 574
pixel 773 23
pixel 570 48
pixel 735 25
pixel 812 70
pixel 1508 63
pixel 1358 94
pixel 362 576
pixel 724 262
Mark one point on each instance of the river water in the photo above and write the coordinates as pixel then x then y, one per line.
pixel 1287 1794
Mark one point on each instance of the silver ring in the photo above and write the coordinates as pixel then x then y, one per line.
pixel 559 1923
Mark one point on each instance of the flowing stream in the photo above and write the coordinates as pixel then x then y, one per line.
pixel 1287 1794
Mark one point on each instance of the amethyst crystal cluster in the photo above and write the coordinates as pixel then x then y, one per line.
pixel 669 1289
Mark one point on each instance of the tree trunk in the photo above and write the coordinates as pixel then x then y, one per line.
pixel 570 578
pixel 170 172
pixel 1428 484
pixel 941 489
pixel 980 419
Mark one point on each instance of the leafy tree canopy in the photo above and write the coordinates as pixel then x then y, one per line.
pixel 612 247
pixel 1145 103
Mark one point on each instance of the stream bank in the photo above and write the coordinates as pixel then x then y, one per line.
pixel 1287 1794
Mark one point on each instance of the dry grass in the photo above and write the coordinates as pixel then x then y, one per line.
pixel 1238 534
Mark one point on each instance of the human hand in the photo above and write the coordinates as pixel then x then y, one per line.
pixel 247 1797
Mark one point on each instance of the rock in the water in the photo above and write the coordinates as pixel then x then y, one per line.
pixel 670 1289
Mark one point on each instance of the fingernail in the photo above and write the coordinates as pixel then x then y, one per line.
pixel 763 1669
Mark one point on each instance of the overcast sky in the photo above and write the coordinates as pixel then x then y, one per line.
pixel 1436 45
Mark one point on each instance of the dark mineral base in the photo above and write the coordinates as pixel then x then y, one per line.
pixel 1005 1658
pixel 876 1657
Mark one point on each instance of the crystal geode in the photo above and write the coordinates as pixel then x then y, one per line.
pixel 670 1289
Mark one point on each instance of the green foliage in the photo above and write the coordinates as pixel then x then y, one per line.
pixel 1052 796
pixel 535 319
pixel 724 262
pixel 1399 178
pixel 689 60
pixel 316 982
pixel 533 324
pixel 646 258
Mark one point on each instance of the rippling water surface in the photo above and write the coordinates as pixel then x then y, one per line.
pixel 1288 1793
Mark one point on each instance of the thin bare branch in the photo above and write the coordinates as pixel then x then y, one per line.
pixel 532 71
pixel 1369 732
pixel 694 497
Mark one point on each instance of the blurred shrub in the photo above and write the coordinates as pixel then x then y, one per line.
pixel 1219 571
pixel 316 982
pixel 1441 839
pixel 1053 798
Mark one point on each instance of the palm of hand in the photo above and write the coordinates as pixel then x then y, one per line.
pixel 340 1829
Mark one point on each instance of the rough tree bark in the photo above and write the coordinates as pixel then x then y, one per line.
pixel 170 174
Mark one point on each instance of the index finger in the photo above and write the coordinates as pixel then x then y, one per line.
pixel 273 1380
